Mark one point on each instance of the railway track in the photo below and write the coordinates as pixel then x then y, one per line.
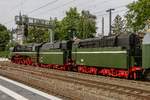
pixel 130 83
pixel 124 90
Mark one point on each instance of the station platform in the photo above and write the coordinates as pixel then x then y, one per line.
pixel 12 90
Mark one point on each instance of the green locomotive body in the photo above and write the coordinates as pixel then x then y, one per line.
pixel 25 54
pixel 102 57
pixel 118 56
pixel 51 54
pixel 4 54
pixel 51 57
pixel 146 56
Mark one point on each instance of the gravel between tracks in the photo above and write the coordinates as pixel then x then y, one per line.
pixel 86 92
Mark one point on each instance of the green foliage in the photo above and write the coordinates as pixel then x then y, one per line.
pixel 69 22
pixel 87 25
pixel 37 35
pixel 83 25
pixel 10 45
pixel 2 28
pixel 4 37
pixel 56 29
pixel 118 26
pixel 138 14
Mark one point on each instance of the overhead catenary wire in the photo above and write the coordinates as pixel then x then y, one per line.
pixel 54 8
pixel 102 15
pixel 45 5
pixel 93 5
pixel 118 11
pixel 63 5
pixel 19 6
pixel 34 10
pixel 101 11
pixel 96 15
pixel 114 12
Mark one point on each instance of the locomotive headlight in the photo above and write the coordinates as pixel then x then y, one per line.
pixel 82 60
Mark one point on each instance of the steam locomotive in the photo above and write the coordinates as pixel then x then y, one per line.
pixel 124 56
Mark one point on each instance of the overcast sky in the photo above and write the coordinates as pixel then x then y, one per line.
pixel 57 8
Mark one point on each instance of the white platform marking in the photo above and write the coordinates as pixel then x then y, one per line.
pixel 31 89
pixel 12 94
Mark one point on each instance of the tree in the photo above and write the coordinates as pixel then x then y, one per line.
pixel 73 24
pixel 69 22
pixel 4 37
pixel 56 27
pixel 118 26
pixel 87 25
pixel 83 25
pixel 37 35
pixel 138 14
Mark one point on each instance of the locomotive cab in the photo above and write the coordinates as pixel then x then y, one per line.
pixel 66 47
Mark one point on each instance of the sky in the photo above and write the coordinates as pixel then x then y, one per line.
pixel 56 8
